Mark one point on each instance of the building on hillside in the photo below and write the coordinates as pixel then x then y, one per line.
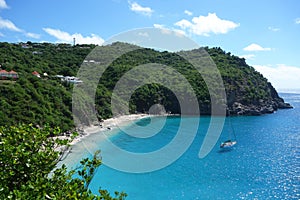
pixel 8 75
pixel 35 73
pixel 37 53
pixel 3 74
pixel 12 74
pixel 72 79
pixel 69 79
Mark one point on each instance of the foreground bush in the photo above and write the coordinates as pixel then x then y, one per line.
pixel 28 156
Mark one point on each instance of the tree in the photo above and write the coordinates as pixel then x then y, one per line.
pixel 27 167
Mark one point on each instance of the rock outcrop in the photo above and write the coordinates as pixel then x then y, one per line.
pixel 259 107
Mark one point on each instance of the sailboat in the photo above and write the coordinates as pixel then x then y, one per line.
pixel 228 144
pixel 231 141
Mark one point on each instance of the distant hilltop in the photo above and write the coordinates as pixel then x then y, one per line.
pixel 247 91
pixel 48 99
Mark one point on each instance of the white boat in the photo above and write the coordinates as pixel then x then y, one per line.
pixel 228 144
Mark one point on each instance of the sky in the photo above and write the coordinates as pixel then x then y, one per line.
pixel 264 32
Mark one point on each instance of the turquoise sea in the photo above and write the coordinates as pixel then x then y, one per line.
pixel 265 163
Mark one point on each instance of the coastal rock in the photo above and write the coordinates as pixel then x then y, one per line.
pixel 259 108
pixel 237 108
pixel 157 109
pixel 282 105
pixel 267 109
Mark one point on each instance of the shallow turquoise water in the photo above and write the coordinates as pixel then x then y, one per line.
pixel 265 164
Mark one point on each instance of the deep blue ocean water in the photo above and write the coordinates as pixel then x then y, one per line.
pixel 265 163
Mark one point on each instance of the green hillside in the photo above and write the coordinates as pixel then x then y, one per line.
pixel 48 100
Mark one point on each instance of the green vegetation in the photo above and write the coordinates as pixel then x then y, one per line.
pixel 28 161
pixel 27 151
pixel 244 86
pixel 39 100
pixel 48 100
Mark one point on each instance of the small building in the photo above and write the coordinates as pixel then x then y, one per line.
pixel 72 79
pixel 12 74
pixel 35 73
pixel 8 75
pixel 59 76
pixel 69 79
pixel 3 74
pixel 37 53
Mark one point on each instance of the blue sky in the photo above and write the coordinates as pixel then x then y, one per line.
pixel 265 32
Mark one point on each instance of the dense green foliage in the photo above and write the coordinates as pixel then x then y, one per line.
pixel 39 100
pixel 27 162
pixel 243 84
pixel 240 79
pixel 49 100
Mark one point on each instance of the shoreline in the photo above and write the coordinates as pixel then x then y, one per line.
pixel 108 125
pixel 96 134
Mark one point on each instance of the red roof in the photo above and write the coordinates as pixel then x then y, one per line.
pixel 35 73
pixel 12 72
pixel 3 71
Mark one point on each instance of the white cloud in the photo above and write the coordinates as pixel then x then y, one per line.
pixel 297 21
pixel 187 12
pixel 184 24
pixel 205 25
pixel 248 56
pixel 281 76
pixel 64 37
pixel 158 26
pixel 33 35
pixel 179 32
pixel 3 4
pixel 273 29
pixel 140 9
pixel 256 47
pixel 7 24
pixel 164 30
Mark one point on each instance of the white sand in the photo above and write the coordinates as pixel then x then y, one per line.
pixel 91 136
pixel 109 124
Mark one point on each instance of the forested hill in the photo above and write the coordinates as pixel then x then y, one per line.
pixel 30 99
pixel 37 95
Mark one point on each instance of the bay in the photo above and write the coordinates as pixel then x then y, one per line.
pixel 265 163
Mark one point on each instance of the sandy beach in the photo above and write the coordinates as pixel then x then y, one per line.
pixel 91 136
pixel 108 124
